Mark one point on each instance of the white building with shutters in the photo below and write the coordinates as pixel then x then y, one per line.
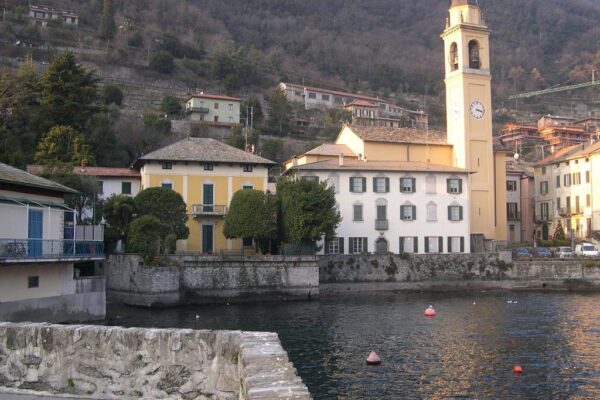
pixel 394 206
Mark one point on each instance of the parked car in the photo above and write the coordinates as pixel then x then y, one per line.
pixel 543 252
pixel 564 252
pixel 523 253
pixel 586 250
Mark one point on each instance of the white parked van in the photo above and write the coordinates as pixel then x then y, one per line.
pixel 586 250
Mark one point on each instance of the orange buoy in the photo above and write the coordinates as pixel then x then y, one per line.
pixel 517 369
pixel 373 359
pixel 430 312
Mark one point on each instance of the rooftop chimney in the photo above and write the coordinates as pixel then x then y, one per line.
pixel 341 160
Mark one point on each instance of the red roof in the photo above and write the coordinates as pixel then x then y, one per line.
pixel 213 96
pixel 91 171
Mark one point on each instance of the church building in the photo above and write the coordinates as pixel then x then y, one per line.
pixel 408 190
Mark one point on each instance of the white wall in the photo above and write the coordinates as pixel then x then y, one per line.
pixel 397 227
pixel 15 219
pixel 54 280
pixel 113 185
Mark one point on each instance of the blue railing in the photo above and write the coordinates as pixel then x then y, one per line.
pixel 47 249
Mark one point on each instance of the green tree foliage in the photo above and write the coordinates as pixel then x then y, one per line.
pixel 61 145
pixel 173 45
pixel 280 113
pixel 135 40
pixel 69 93
pixel 307 211
pixel 272 149
pixel 166 205
pixel 251 216
pixel 111 94
pixel 107 24
pixel 105 146
pixel 146 236
pixel 86 187
pixel 162 62
pixel 118 212
pixel 237 138
pixel 171 106
pixel 559 232
pixel 234 70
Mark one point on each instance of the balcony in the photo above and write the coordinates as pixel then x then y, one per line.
pixel 202 110
pixel 381 225
pixel 208 209
pixel 514 215
pixel 564 211
pixel 27 250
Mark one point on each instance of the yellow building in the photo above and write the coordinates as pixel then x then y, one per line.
pixel 206 173
pixel 468 142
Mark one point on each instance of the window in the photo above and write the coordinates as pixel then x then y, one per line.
pixel 216 106
pixel 453 57
pixel 456 244
pixel 216 118
pixel 333 181
pixel 558 203
pixel 334 246
pixel 455 213
pixel 357 212
pixel 587 176
pixel 381 185
pixel 544 187
pixel 298 93
pixel 543 170
pixel 247 187
pixel 431 184
pixel 409 244
pixel 337 100
pixel 167 165
pixel 209 167
pixel 408 213
pixel 454 185
pixel 588 200
pixel 358 245
pixel 230 107
pixel 434 244
pixel 100 187
pixel 407 185
pixel 558 181
pixel 312 95
pixel 576 178
pixel 358 184
pixel 310 178
pixel 545 211
pixel 247 242
pixel 569 203
pixel 325 97
pixel 167 185
pixel 33 282
pixel 511 186
pixel 567 179
pixel 247 168
pixel 230 119
pixel 431 212
pixel 126 187
pixel 474 61
pixel 512 210
pixel 577 204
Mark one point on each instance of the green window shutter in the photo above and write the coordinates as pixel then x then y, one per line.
pixel 416 241
pixel 460 186
pixel 387 185
pixel 341 245
pixel 414 185
pixel 460 213
pixel 448 185
pixel 351 188
pixel 449 244
pixel 426 244
pixel 326 247
pixel 401 246
pixel 374 185
pixel 366 241
pixel 441 244
pixel 364 185
pixel 449 213
pixel 462 244
pixel 414 213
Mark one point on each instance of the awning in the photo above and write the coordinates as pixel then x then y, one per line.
pixel 36 203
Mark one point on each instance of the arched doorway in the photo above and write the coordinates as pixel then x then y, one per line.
pixel 381 246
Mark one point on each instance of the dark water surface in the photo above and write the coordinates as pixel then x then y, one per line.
pixel 467 351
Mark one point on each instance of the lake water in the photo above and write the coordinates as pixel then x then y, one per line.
pixel 467 351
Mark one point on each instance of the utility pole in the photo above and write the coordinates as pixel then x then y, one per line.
pixel 246 130
pixel 251 120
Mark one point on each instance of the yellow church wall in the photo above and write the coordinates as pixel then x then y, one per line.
pixel 349 138
pixel 375 151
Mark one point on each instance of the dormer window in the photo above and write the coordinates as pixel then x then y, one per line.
pixel 474 61
pixel 453 57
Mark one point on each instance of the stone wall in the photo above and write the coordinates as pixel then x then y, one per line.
pixel 114 363
pixel 199 280
pixel 451 272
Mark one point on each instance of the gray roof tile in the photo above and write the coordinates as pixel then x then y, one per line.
pixel 19 177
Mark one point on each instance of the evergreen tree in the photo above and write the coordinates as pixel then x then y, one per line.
pixel 166 205
pixel 61 145
pixel 280 112
pixel 559 232
pixel 107 24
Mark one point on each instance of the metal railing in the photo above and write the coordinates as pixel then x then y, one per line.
pixel 48 249
pixel 209 209
pixel 381 225
pixel 203 110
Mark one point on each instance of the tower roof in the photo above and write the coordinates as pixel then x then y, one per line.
pixel 456 3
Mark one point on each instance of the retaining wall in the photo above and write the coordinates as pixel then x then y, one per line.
pixel 115 363
pixel 200 280
pixel 452 272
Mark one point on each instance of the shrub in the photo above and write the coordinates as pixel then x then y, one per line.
pixel 162 62
pixel 136 40
pixel 145 236
pixel 111 94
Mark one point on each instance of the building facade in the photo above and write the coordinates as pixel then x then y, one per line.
pixel 391 206
pixel 206 173
pixel 38 249
pixel 214 110
pixel 42 14
pixel 520 202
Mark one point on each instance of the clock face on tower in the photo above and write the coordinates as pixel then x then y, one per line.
pixel 477 109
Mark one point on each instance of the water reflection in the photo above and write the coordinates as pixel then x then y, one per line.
pixel 467 351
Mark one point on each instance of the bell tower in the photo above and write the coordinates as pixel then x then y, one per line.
pixel 469 109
